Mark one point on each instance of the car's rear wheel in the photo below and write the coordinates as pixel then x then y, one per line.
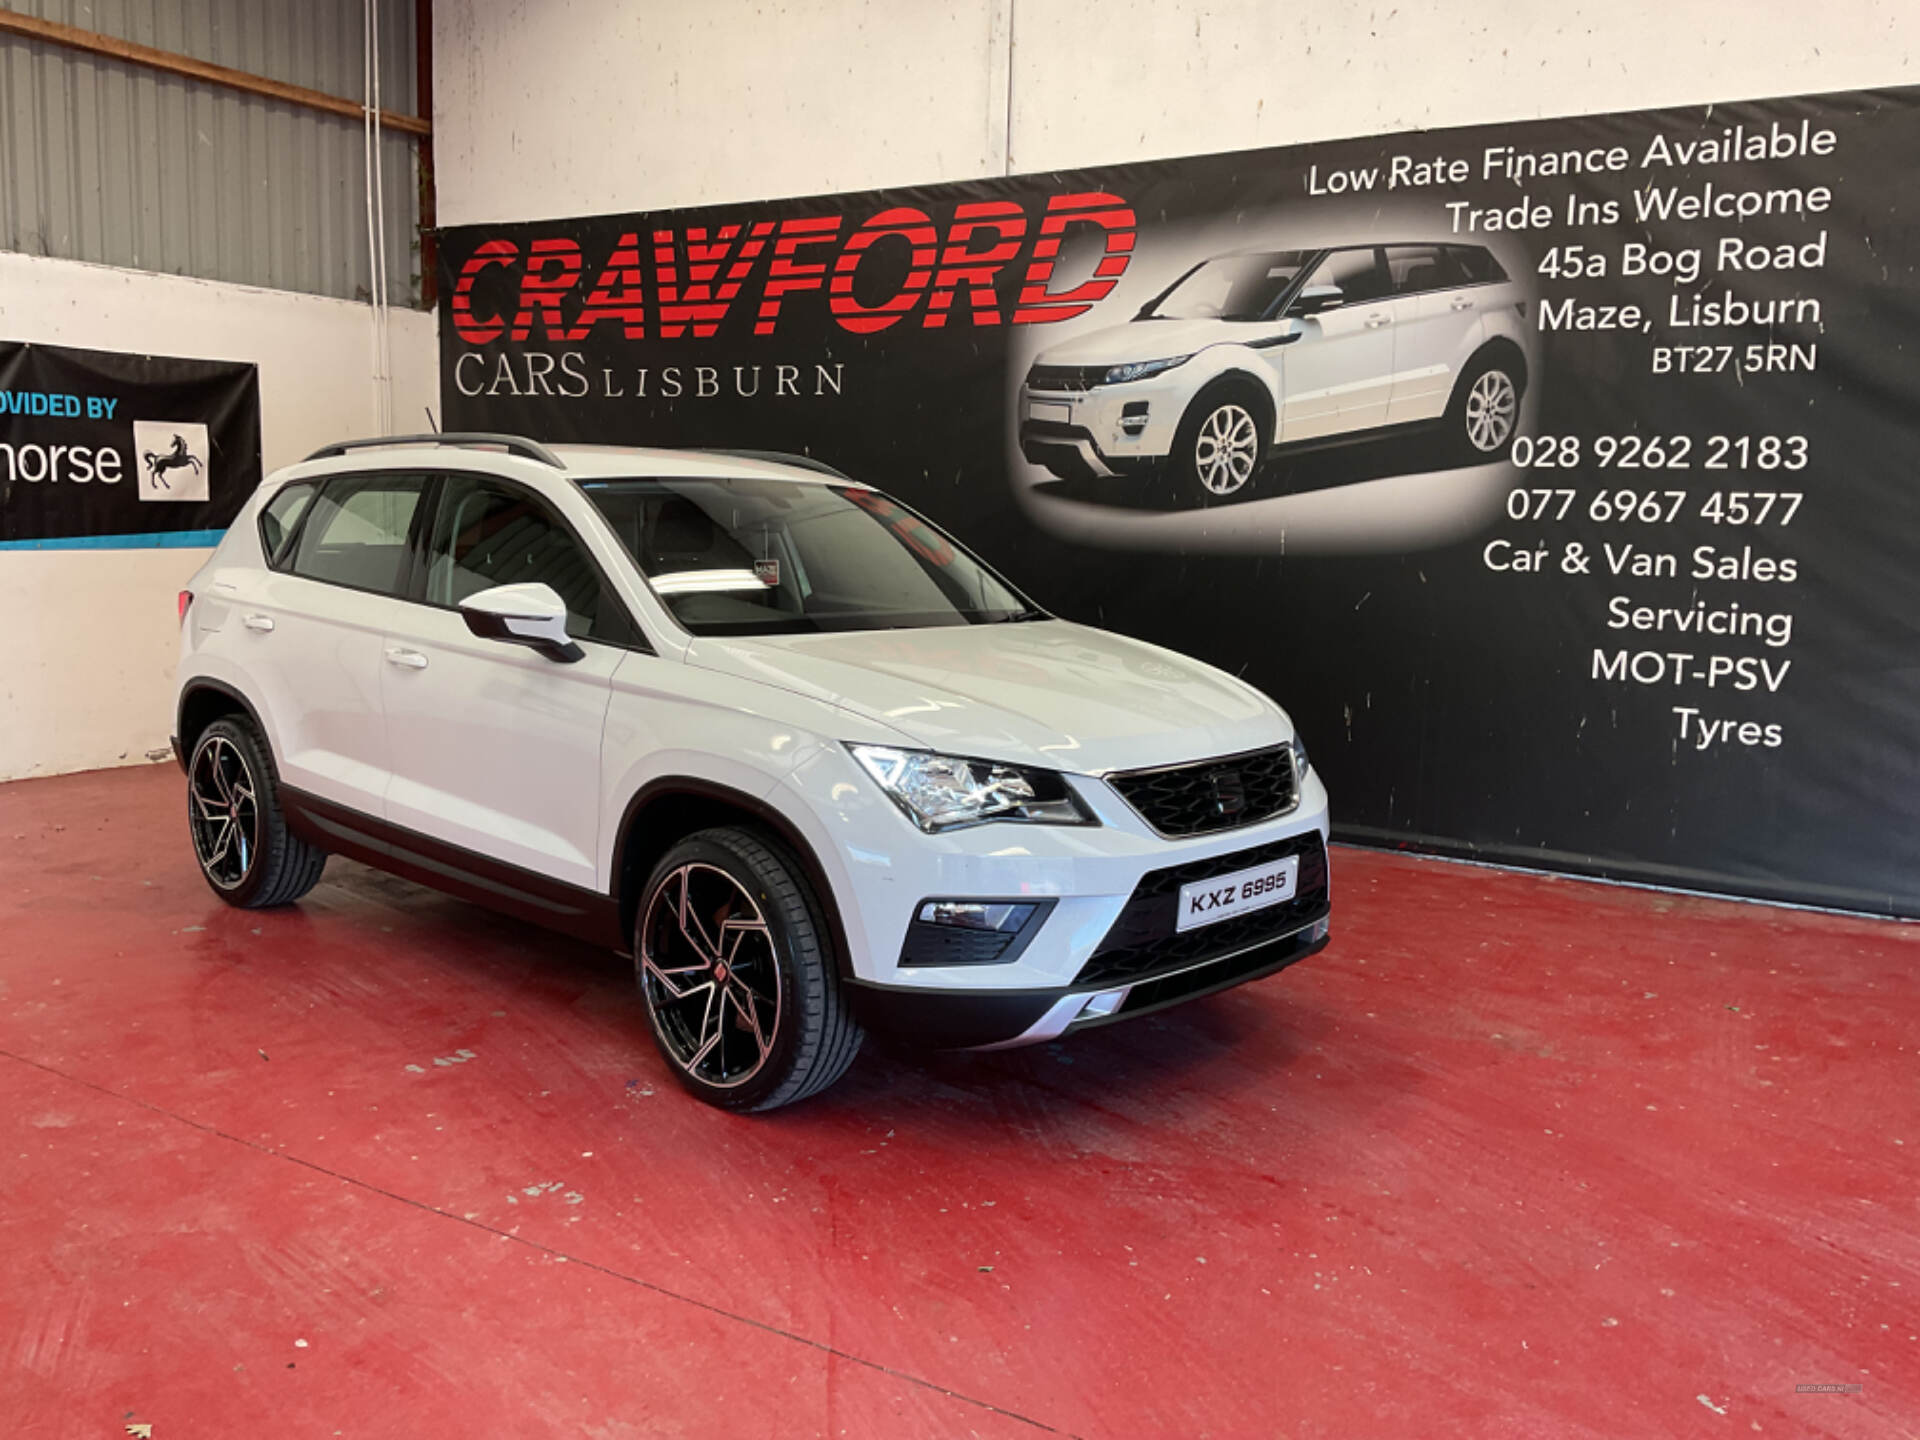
pixel 1484 416
pixel 240 835
pixel 733 962
pixel 1217 449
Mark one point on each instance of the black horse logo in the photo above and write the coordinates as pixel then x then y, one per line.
pixel 179 457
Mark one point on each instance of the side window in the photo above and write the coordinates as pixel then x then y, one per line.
pixel 1421 269
pixel 488 533
pixel 1359 274
pixel 1418 269
pixel 281 518
pixel 1479 264
pixel 357 534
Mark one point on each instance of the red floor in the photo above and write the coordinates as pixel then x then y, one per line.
pixel 1515 1157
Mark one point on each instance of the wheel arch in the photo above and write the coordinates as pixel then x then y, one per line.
pixel 1237 377
pixel 666 810
pixel 1502 347
pixel 204 700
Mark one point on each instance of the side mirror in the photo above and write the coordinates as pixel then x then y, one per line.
pixel 1315 298
pixel 533 615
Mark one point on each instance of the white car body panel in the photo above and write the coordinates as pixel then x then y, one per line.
pixel 1051 694
pixel 495 748
pixel 1338 375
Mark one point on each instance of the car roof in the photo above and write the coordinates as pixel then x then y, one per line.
pixel 1452 243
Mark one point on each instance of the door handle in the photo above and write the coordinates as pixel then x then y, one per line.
pixel 1461 302
pixel 262 623
pixel 1374 322
pixel 406 659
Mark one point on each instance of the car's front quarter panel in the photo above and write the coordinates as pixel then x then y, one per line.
pixel 670 723
pixel 1102 411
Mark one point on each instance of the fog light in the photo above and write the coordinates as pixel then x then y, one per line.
pixel 1133 417
pixel 968 915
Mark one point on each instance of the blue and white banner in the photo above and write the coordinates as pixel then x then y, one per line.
pixel 104 450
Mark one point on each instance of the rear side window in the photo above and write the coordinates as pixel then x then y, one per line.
pixel 1418 269
pixel 1480 266
pixel 357 533
pixel 488 534
pixel 281 518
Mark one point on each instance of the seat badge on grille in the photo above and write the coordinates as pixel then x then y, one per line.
pixel 1229 793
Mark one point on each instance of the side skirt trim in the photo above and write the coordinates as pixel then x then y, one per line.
pixel 524 894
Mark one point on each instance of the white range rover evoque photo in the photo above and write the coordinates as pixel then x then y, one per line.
pixel 1267 348
pixel 813 765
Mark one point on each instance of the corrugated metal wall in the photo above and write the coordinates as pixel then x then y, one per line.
pixel 116 163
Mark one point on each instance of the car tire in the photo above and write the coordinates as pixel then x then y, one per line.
pixel 1484 415
pixel 1218 449
pixel 728 929
pixel 247 855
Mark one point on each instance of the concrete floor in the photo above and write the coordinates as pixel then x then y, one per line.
pixel 1515 1157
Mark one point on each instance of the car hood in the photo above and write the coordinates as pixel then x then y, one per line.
pixel 1146 340
pixel 1046 693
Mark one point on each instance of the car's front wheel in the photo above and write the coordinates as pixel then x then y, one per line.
pixel 1217 448
pixel 240 834
pixel 734 965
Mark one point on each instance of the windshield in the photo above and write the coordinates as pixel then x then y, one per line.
pixel 781 557
pixel 1232 287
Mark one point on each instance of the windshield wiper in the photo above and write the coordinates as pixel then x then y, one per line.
pixel 1014 617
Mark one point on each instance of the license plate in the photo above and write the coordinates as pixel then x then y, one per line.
pixel 1207 902
pixel 1041 410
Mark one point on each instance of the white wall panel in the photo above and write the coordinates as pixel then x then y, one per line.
pixel 87 650
pixel 1159 79
pixel 567 107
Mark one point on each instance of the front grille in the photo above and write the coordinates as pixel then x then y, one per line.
pixel 1212 795
pixel 1143 941
pixel 1065 377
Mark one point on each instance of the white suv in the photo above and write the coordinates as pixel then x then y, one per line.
pixel 817 767
pixel 1280 347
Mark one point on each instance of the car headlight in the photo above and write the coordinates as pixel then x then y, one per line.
pixel 1141 369
pixel 1299 748
pixel 946 792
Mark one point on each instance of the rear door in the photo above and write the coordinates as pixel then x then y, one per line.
pixel 308 632
pixel 496 747
pixel 1340 371
pixel 1434 322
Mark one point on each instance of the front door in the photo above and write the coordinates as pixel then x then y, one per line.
pixel 496 748
pixel 1339 373
pixel 1433 316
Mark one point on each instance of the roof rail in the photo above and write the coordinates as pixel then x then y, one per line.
pixel 513 444
pixel 782 457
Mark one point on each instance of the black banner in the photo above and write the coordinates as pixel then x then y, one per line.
pixel 1591 536
pixel 99 448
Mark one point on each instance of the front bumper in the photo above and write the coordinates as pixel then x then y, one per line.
pixel 1003 1019
pixel 1141 962
pixel 1101 432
